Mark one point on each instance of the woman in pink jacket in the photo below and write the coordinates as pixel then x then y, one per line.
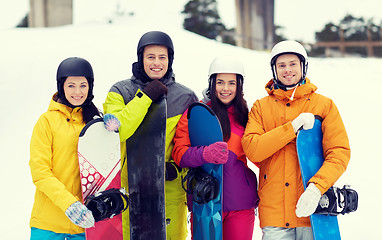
pixel 225 96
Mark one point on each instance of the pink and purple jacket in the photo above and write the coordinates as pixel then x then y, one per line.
pixel 239 182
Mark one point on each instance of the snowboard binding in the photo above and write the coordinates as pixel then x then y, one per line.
pixel 108 203
pixel 338 198
pixel 201 185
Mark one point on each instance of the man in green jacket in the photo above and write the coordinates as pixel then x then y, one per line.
pixel 129 101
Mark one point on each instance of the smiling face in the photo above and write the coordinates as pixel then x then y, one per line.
pixel 155 61
pixel 288 68
pixel 76 90
pixel 226 85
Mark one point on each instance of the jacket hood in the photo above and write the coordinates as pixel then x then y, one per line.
pixel 295 93
pixel 167 81
pixel 66 110
pixel 139 72
pixel 206 98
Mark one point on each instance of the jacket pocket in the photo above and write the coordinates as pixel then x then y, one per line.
pixel 263 174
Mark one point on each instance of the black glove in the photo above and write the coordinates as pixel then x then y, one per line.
pixel 155 89
pixel 172 171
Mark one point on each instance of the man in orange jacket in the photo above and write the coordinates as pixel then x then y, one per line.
pixel 270 140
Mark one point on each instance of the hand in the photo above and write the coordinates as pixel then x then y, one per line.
pixel 308 201
pixel 216 153
pixel 305 120
pixel 155 89
pixel 80 215
pixel 111 122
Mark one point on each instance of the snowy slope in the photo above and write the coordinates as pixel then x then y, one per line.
pixel 28 64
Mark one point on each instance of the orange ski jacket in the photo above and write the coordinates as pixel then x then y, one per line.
pixel 270 140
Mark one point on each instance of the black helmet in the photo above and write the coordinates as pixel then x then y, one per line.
pixel 74 66
pixel 155 38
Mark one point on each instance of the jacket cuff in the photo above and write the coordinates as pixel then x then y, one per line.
pixel 143 96
pixel 319 186
pixel 193 157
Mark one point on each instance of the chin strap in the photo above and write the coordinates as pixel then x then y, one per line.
pixel 284 87
pixel 294 91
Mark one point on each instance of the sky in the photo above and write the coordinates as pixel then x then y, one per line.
pixel 300 18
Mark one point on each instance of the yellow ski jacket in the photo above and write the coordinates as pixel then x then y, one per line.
pixel 129 104
pixel 54 168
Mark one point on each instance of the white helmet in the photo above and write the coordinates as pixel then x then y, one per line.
pixel 226 64
pixel 289 46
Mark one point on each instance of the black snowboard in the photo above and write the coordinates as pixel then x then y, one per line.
pixel 146 175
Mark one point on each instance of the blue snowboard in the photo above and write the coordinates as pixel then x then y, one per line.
pixel 204 129
pixel 311 158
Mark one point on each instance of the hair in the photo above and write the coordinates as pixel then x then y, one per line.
pixel 220 109
pixel 89 111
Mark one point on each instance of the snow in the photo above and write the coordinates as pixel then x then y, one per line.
pixel 29 59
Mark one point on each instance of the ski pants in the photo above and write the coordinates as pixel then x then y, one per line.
pixel 40 234
pixel 237 224
pixel 176 210
pixel 299 233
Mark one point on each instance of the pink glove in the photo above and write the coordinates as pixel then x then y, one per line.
pixel 216 153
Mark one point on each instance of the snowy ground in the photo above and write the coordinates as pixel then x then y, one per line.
pixel 28 64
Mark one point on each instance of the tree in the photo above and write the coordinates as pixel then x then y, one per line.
pixel 24 22
pixel 355 29
pixel 376 35
pixel 202 18
pixel 330 33
pixel 279 36
pixel 351 29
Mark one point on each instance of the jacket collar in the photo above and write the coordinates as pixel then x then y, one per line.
pixel 139 73
pixel 298 92
pixel 166 81
pixel 70 113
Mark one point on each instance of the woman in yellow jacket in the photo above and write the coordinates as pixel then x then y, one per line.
pixel 58 212
pixel 270 140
